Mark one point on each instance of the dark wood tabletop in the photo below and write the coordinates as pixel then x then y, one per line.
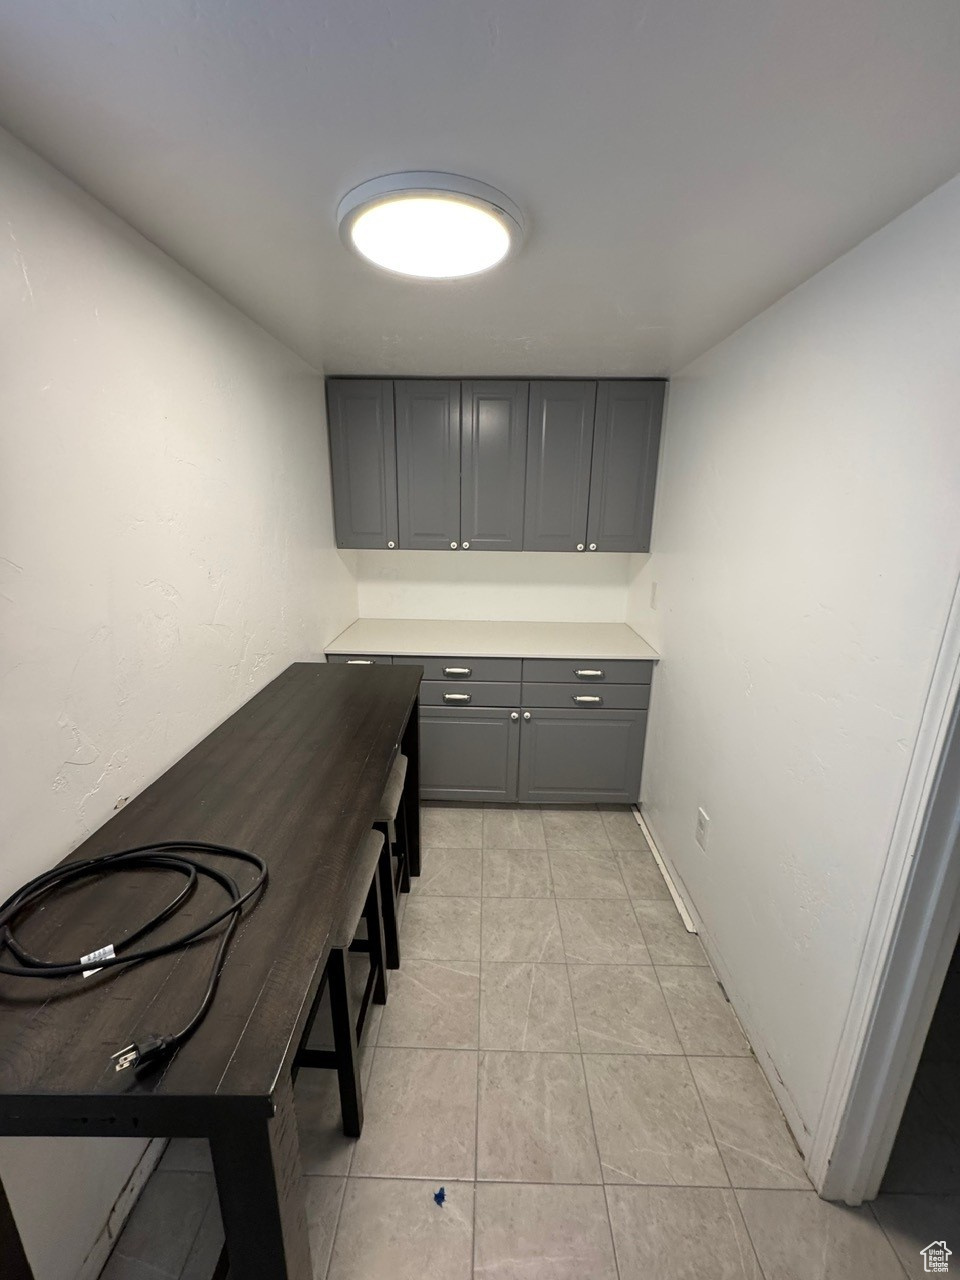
pixel 293 777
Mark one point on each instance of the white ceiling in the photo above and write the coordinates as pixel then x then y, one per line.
pixel 681 163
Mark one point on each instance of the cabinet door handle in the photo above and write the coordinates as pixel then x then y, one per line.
pixel 359 662
pixel 593 699
pixel 391 545
pixel 458 697
pixel 593 546
pixel 579 546
pixel 453 546
pixel 514 715
pixel 455 672
pixel 588 673
pixel 526 715
pixel 466 546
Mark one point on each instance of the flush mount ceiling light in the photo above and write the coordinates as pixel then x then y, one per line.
pixel 432 226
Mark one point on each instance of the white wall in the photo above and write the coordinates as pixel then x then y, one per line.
pixel 501 587
pixel 166 547
pixel 807 541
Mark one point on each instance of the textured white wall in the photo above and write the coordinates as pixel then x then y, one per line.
pixel 807 543
pixel 166 548
pixel 501 587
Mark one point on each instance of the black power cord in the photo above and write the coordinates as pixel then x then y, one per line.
pixel 174 855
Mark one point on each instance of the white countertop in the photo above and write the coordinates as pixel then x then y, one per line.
pixel 438 637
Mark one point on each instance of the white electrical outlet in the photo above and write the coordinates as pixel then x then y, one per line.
pixel 653 595
pixel 703 827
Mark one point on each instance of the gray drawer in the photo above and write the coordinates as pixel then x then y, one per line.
pixel 360 659
pixel 465 668
pixel 611 697
pixel 469 693
pixel 591 671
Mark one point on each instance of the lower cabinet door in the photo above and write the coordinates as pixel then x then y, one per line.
pixel 469 753
pixel 581 757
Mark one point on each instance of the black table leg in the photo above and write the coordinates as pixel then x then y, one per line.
pixel 12 1253
pixel 410 746
pixel 345 1045
pixel 388 898
pixel 373 914
pixel 256 1160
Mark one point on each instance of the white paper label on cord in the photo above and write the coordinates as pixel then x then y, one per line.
pixel 104 953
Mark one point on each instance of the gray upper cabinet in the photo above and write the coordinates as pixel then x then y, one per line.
pixel 428 464
pixel 363 461
pixel 493 463
pixel 489 465
pixel 626 442
pixel 559 448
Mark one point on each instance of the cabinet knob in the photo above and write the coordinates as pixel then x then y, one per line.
pixel 593 546
pixel 526 715
pixel 514 715
pixel 391 545
pixel 453 546
pixel 579 546
pixel 466 546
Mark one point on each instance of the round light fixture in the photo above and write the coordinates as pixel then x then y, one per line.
pixel 432 226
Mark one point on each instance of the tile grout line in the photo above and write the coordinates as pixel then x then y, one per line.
pixel 336 1228
pixel 686 1058
pixel 706 1116
pixel 884 1233
pixel 516 1182
pixel 593 1126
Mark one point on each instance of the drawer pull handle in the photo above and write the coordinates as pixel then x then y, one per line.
pixel 588 673
pixel 462 672
pixel 458 697
pixel 593 699
pixel 360 662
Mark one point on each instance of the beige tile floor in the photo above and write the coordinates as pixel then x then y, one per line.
pixel 556 1053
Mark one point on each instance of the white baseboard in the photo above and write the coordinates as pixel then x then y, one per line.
pixel 675 894
pixel 102 1247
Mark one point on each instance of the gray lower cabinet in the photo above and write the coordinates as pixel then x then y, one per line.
pixel 559 448
pixel 363 461
pixel 493 465
pixel 531 730
pixel 469 753
pixel 428 464
pixel 581 757
pixel 626 445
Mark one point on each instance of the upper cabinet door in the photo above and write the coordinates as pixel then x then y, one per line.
pixel 559 446
pixel 428 464
pixel 363 461
pixel 626 442
pixel 493 463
